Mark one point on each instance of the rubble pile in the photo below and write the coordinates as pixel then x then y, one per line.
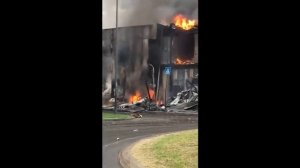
pixel 184 100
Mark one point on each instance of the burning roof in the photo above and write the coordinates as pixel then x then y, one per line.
pixel 179 61
pixel 184 23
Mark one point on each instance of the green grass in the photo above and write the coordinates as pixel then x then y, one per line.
pixel 178 150
pixel 113 116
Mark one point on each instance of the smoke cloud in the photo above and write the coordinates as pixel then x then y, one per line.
pixel 143 12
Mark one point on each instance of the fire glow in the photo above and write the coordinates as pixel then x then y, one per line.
pixel 136 97
pixel 183 22
pixel 158 103
pixel 151 92
pixel 183 62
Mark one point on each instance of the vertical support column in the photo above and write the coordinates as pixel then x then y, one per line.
pixel 164 81
pixel 171 63
pixel 191 73
pixel 185 78
pixel 195 53
pixel 157 85
pixel 145 52
pixel 166 50
pixel 175 74
pixel 196 49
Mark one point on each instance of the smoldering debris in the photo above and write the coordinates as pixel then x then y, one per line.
pixel 185 100
pixel 142 105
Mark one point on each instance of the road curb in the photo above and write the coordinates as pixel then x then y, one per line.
pixel 127 160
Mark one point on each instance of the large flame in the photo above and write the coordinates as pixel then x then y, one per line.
pixel 183 22
pixel 137 96
pixel 183 62
pixel 134 98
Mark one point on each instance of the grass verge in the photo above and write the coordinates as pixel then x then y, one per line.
pixel 113 116
pixel 176 150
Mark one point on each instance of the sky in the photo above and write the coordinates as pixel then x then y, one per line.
pixel 144 12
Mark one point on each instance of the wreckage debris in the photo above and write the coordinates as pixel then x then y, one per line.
pixel 143 104
pixel 137 115
pixel 184 100
pixel 112 100
pixel 184 97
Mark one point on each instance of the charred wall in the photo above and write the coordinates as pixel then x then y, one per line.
pixel 133 55
pixel 162 53
pixel 140 46
pixel 183 46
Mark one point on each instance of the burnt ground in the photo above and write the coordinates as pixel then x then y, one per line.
pixel 129 131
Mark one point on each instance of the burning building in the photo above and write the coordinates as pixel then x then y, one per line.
pixel 154 61
pixel 177 46
pixel 133 55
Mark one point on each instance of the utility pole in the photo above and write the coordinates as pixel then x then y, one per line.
pixel 116 57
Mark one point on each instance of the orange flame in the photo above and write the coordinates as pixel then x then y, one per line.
pixel 151 92
pixel 181 62
pixel 183 22
pixel 135 98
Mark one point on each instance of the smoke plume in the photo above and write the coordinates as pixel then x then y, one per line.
pixel 143 12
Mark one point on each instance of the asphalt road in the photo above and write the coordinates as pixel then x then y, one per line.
pixel 129 131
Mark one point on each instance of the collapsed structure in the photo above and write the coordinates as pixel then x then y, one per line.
pixel 157 67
